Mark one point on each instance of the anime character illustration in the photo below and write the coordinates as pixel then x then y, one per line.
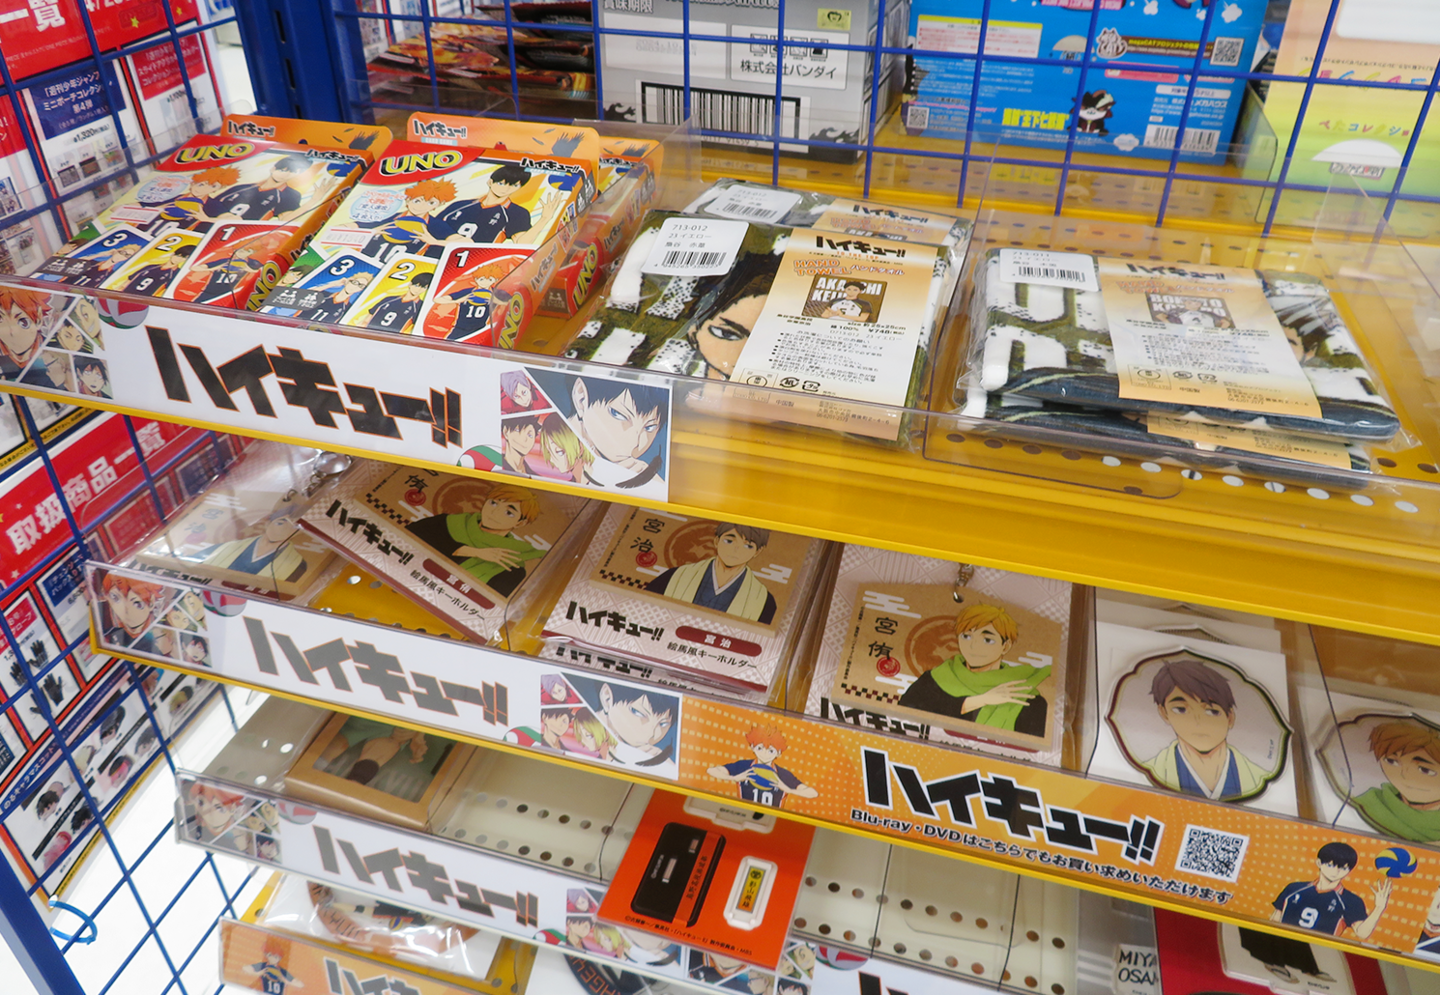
pixel 555 724
pixel 194 650
pixel 1094 110
pixel 1283 956
pixel 225 274
pixel 269 554
pixel 762 781
pixel 53 371
pixel 619 421
pixel 1198 703
pixel 363 746
pixel 517 393
pixel 409 231
pixel 729 974
pixel 215 817
pixel 275 197
pixel 1428 946
pixel 188 208
pixel 134 605
pixel 719 340
pixel 22 329
pixel 578 901
pixel 791 988
pixel 179 616
pixel 723 582
pixel 166 643
pixel 334 305
pixel 472 304
pixel 608 940
pixel 578 930
pixel 493 218
pixel 482 543
pixel 588 736
pixel 640 722
pixel 1407 805
pixel 152 279
pixel 397 312
pixel 562 455
pixel 850 307
pixel 800 961
pixel 517 439
pixel 100 266
pixel 1324 904
pixel 93 377
pixel 274 978
pixel 71 337
pixel 978 685
pixel 179 700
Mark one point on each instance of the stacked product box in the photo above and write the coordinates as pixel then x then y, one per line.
pixel 1115 108
pixel 828 91
pixel 222 217
pixel 420 245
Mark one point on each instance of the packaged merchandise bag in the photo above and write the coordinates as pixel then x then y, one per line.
pixel 789 311
pixel 421 243
pixel 1227 361
pixel 222 218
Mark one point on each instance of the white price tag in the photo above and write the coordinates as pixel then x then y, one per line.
pixel 764 205
pixel 695 247
pixel 1073 270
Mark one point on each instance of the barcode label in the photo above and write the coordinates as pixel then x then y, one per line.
pixel 1227 52
pixel 717 110
pixel 748 203
pixel 917 116
pixel 695 247
pixel 1162 136
pixel 1073 270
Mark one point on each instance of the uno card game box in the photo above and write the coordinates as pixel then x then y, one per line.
pixel 421 243
pixel 220 220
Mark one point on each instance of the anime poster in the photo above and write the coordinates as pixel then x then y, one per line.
pixel 955 657
pixel 215 817
pixel 460 545
pixel 614 723
pixel 720 598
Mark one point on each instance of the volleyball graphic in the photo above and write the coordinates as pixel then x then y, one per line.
pixel 1396 862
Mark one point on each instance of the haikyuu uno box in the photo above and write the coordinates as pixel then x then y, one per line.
pixel 252 202
pixel 421 202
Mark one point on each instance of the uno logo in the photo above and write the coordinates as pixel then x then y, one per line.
pixel 418 162
pixel 264 283
pixel 514 322
pixel 209 153
pixel 583 279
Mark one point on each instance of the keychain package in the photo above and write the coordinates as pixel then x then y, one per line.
pixel 715 598
pixel 218 223
pixel 421 243
pixel 241 532
pixel 950 653
pixel 819 316
pixel 461 546
pixel 1229 363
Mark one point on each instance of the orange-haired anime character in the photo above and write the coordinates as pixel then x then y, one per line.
pixel 22 329
pixel 134 605
pixel 274 978
pixel 465 311
pixel 189 207
pixel 761 780
pixel 409 231
pixel 216 815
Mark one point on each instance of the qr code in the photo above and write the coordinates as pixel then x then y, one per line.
pixel 917 116
pixel 1212 853
pixel 1227 52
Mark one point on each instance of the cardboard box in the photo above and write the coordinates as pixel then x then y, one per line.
pixel 732 86
pixel 1135 112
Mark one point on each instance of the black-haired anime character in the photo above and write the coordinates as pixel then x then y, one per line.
pixel 152 279
pixel 641 723
pixel 1323 904
pixel 272 198
pixel 493 217
pixel 1094 110
pixel 618 420
pixel 397 312
pixel 92 377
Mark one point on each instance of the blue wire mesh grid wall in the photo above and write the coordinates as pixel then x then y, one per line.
pixel 158 904
pixel 357 24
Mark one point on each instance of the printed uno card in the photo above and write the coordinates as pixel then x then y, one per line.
pixel 392 301
pixel 458 306
pixel 150 272
pixel 225 268
pixel 328 291
pixel 93 263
